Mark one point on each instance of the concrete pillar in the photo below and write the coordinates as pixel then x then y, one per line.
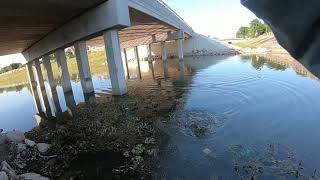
pixel 63 68
pixel 126 61
pixel 90 98
pixel 83 67
pixel 34 90
pixel 43 93
pixel 165 69
pixel 150 59
pixel 71 103
pixel 164 51
pixel 116 71
pixel 52 84
pixel 180 48
pixel 136 54
pixel 181 70
pixel 149 49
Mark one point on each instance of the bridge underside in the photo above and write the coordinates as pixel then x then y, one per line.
pixel 140 32
pixel 22 24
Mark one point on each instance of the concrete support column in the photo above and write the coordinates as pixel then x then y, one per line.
pixel 136 54
pixel 43 93
pixel 150 59
pixel 52 84
pixel 116 71
pixel 165 69
pixel 63 68
pixel 126 61
pixel 164 51
pixel 34 90
pixel 149 49
pixel 83 66
pixel 180 49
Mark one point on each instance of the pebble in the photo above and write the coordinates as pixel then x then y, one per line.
pixel 43 147
pixel 3 176
pixel 29 143
pixel 207 151
pixel 32 176
pixel 15 136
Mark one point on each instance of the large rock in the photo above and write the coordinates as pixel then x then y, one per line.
pixel 32 176
pixel 21 147
pixel 15 136
pixel 3 176
pixel 2 139
pixel 8 169
pixel 29 143
pixel 43 147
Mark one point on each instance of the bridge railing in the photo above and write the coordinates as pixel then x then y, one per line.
pixel 172 11
pixel 161 11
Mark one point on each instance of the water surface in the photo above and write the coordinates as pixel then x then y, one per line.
pixel 239 117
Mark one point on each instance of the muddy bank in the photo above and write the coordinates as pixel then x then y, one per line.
pixel 120 131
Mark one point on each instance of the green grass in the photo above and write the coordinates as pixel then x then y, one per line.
pixel 97 61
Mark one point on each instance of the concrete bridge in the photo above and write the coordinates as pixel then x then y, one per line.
pixel 38 29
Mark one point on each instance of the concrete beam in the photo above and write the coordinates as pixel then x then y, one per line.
pixel 63 68
pixel 83 67
pixel 34 89
pixel 116 71
pixel 108 15
pixel 175 35
pixel 43 93
pixel 126 61
pixel 136 54
pixel 52 84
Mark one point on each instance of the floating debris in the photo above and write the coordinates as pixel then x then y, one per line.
pixel 274 160
pixel 197 123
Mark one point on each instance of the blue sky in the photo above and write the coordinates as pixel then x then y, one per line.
pixel 217 18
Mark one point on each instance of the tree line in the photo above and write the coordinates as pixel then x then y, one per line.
pixel 11 67
pixel 256 28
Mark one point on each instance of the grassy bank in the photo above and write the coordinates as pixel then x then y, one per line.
pixel 125 130
pixel 97 62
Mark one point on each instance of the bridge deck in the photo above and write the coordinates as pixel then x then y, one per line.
pixel 24 23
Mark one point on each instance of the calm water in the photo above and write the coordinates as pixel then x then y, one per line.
pixel 240 117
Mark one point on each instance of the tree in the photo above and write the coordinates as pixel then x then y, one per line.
pixel 256 28
pixel 243 32
pixel 11 67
